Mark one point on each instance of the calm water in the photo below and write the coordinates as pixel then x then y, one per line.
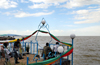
pixel 86 48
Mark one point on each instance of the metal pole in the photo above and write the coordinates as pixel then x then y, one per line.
pixel 27 60
pixel 49 32
pixel 72 52
pixel 23 42
pixel 25 46
pixel 31 47
pixel 60 59
pixel 67 56
pixel 43 56
pixel 72 37
pixel 10 47
pixel 37 47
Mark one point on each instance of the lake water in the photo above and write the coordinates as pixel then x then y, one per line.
pixel 86 48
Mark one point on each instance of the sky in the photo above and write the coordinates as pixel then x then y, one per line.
pixel 64 17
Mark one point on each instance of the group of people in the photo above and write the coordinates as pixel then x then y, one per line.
pixel 15 53
pixel 17 46
pixel 47 49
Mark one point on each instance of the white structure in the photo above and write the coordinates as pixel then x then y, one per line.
pixel 43 21
pixel 72 36
pixel 60 49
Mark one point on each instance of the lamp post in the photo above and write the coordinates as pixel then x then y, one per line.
pixel 60 50
pixel 27 60
pixel 72 36
pixel 43 21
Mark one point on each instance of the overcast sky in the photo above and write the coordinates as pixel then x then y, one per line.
pixel 64 17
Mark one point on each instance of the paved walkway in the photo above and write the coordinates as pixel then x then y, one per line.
pixel 22 61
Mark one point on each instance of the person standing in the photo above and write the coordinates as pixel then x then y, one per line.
pixel 2 52
pixel 6 52
pixel 16 47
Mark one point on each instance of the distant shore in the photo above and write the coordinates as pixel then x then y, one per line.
pixel 7 38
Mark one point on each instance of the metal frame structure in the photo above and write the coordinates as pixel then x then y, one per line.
pixel 34 45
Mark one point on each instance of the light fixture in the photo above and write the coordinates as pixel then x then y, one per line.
pixel 72 36
pixel 43 21
pixel 60 49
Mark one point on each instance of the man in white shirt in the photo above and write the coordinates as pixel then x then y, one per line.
pixel 56 47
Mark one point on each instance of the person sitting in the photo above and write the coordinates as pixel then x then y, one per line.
pixel 55 48
pixel 46 50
